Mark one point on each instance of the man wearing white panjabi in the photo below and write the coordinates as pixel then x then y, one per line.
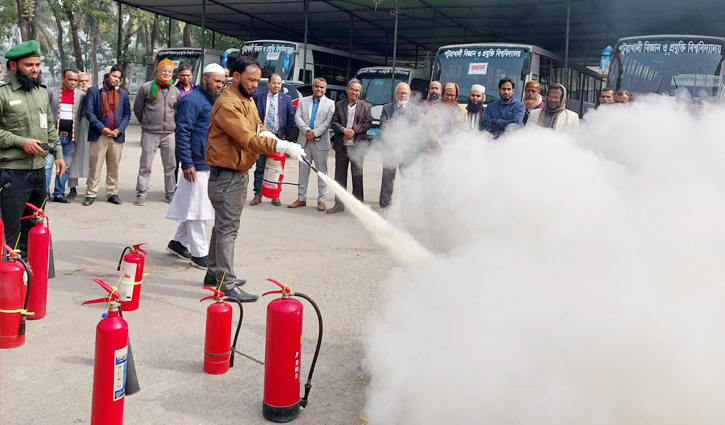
pixel 190 205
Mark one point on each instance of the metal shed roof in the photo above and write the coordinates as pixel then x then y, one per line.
pixel 428 24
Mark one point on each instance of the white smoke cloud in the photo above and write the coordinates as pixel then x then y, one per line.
pixel 578 277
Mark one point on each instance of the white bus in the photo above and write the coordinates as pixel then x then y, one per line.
pixel 487 63
pixel 378 87
pixel 666 63
pixel 192 56
pixel 287 58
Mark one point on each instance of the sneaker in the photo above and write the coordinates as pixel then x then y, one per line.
pixel 169 197
pixel 140 200
pixel 237 294
pixel 88 201
pixel 73 193
pixel 210 280
pixel 60 198
pixel 199 262
pixel 176 248
pixel 115 200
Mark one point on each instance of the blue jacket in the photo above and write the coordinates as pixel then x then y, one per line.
pixel 286 112
pixel 98 122
pixel 505 114
pixel 193 113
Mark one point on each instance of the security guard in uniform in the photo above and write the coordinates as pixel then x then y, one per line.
pixel 27 134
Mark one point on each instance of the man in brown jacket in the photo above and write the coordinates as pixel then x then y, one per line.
pixel 236 139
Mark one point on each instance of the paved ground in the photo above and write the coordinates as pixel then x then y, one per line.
pixel 331 258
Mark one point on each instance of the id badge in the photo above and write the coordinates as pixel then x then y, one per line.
pixel 43 118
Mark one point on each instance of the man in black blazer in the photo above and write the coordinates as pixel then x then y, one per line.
pixel 351 122
pixel 401 109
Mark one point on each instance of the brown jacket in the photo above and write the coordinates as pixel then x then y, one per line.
pixel 233 132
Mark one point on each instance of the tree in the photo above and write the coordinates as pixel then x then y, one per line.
pixel 68 8
pixel 27 10
pixel 187 35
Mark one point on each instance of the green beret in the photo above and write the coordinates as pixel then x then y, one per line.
pixel 26 49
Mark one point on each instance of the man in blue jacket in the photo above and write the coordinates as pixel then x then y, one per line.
pixel 190 205
pixel 504 112
pixel 108 111
pixel 277 114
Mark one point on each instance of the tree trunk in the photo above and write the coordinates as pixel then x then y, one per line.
pixel 74 32
pixel 124 49
pixel 27 18
pixel 94 54
pixel 61 51
pixel 187 35
pixel 150 44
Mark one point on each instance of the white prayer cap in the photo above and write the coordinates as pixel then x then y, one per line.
pixel 213 68
pixel 479 88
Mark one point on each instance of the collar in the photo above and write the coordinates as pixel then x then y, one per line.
pixel 351 106
pixel 316 101
pixel 269 94
pixel 181 86
pixel 14 82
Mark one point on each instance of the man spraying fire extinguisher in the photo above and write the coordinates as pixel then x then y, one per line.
pixel 236 139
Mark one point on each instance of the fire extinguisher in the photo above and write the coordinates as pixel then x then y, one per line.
pixel 273 175
pixel 110 353
pixel 132 276
pixel 14 298
pixel 38 260
pixel 218 349
pixel 283 356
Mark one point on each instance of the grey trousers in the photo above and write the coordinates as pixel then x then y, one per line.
pixel 150 143
pixel 319 160
pixel 227 193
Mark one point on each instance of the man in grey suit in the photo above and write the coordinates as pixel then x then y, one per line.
pixel 67 106
pixel 401 109
pixel 313 118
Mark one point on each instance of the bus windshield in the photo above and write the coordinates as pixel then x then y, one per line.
pixel 272 57
pixel 178 57
pixel 485 65
pixel 657 65
pixel 377 84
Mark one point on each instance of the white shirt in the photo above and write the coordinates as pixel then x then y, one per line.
pixel 266 109
pixel 350 122
pixel 474 120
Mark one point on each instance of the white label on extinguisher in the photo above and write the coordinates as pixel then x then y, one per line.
pixel 272 173
pixel 120 360
pixel 127 280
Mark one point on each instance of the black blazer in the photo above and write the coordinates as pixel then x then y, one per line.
pixel 363 121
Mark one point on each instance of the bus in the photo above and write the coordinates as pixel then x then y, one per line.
pixel 378 88
pixel 192 56
pixel 487 63
pixel 287 58
pixel 666 63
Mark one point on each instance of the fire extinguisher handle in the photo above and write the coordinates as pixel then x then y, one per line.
pixel 217 294
pixel 137 247
pixel 284 287
pixel 34 208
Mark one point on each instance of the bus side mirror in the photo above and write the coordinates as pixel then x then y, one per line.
pixel 526 68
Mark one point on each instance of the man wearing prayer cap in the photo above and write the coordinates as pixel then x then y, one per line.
pixel 532 98
pixel 190 205
pixel 475 106
pixel 27 134
pixel 447 116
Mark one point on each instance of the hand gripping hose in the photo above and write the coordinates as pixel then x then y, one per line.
pixel 286 290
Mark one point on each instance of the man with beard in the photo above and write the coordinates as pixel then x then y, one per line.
pixel 67 105
pixel 447 116
pixel 191 206
pixel 435 94
pixel 236 138
pixel 108 111
pixel 27 135
pixel 81 155
pixel 400 110
pixel 532 98
pixel 555 115
pixel 504 112
pixel 475 106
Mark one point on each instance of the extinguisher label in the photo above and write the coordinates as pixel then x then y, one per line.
pixel 127 280
pixel 120 360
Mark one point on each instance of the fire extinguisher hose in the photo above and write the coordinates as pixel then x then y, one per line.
pixel 21 331
pixel 120 261
pixel 308 385
pixel 239 327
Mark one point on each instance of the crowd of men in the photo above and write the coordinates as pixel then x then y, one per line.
pixel 215 133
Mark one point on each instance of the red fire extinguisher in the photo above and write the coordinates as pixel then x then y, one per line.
pixel 110 368
pixel 38 257
pixel 273 175
pixel 283 356
pixel 132 277
pixel 14 298
pixel 218 349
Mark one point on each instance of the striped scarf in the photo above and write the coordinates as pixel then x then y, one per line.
pixel 57 120
pixel 155 86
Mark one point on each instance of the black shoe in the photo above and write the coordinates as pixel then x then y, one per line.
pixel 62 199
pixel 88 201
pixel 73 193
pixel 115 200
pixel 210 280
pixel 199 262
pixel 236 293
pixel 338 208
pixel 176 248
